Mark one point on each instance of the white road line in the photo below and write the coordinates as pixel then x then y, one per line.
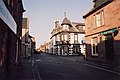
pixel 33 72
pixel 38 73
pixel 102 69
pixel 38 60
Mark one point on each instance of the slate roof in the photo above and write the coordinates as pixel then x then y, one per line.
pixel 66 21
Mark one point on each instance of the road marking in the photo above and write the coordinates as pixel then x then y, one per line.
pixel 38 73
pixel 102 69
pixel 33 72
pixel 38 60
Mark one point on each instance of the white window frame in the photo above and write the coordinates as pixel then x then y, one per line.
pixel 102 14
pixel 99 19
pixel 65 27
pixel 76 38
pixel 71 38
pixel 65 37
pixel 58 38
pixel 62 37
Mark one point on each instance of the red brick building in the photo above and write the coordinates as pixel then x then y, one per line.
pixel 103 31
pixel 10 33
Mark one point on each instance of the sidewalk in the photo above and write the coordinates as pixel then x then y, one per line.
pixel 22 71
pixel 104 65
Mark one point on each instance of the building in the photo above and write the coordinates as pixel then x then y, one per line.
pixel 32 45
pixel 103 31
pixel 44 48
pixel 67 38
pixel 25 37
pixel 11 12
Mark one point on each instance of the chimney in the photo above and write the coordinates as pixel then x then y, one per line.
pixel 57 24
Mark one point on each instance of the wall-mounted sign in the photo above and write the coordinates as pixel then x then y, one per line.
pixel 7 17
pixel 83 41
pixel 110 31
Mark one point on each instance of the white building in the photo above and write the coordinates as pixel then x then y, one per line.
pixel 67 38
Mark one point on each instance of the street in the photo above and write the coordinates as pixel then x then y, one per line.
pixel 52 67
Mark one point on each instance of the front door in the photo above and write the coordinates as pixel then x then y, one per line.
pixel 109 48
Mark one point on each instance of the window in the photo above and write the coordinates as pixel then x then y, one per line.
pixel 12 3
pixel 71 38
pixel 65 26
pixel 94 46
pixel 83 27
pixel 8 2
pixel 99 19
pixel 102 15
pixel 65 36
pixel 76 38
pixel 62 37
pixel 58 38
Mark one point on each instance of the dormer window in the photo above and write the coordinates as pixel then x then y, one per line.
pixel 65 27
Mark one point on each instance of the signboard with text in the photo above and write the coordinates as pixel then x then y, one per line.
pixel 7 17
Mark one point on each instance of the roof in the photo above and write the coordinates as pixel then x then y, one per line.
pixel 94 9
pixel 77 23
pixel 66 21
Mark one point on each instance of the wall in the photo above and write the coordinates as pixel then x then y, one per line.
pixel 112 20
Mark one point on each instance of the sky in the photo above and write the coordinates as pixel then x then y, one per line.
pixel 42 15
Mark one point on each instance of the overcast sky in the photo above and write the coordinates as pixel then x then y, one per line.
pixel 42 15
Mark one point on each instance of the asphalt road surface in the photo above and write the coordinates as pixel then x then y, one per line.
pixel 51 67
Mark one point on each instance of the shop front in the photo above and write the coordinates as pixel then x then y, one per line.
pixel 109 43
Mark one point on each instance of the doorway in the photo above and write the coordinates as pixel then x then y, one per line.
pixel 109 47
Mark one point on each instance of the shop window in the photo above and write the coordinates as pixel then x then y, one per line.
pixel 94 46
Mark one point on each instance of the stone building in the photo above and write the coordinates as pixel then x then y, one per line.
pixel 67 38
pixel 11 12
pixel 103 31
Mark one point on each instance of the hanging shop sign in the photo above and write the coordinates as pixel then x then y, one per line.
pixel 110 31
pixel 7 17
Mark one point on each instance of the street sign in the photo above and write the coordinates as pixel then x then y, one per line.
pixel 7 17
